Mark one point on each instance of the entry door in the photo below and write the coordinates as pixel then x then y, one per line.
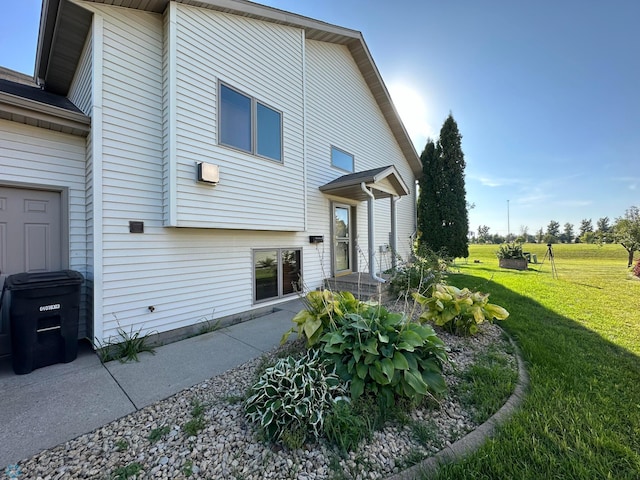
pixel 30 238
pixel 342 239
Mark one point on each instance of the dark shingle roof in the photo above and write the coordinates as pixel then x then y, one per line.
pixel 383 182
pixel 37 95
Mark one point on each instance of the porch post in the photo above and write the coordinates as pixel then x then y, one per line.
pixel 372 242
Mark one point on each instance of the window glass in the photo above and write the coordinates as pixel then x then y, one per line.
pixel 235 119
pixel 269 133
pixel 266 274
pixel 341 159
pixel 277 273
pixel 291 274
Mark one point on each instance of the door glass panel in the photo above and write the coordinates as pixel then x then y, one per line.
pixel 342 248
pixel 342 256
pixel 342 222
pixel 291 278
pixel 266 274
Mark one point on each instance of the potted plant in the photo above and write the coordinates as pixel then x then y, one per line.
pixel 510 256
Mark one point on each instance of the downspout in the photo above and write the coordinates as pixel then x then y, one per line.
pixel 394 232
pixel 372 250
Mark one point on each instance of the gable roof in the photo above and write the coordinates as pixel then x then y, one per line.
pixel 65 25
pixel 384 182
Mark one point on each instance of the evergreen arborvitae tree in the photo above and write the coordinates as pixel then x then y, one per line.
pixel 442 208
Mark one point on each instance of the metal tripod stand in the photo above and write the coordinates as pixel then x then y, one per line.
pixel 549 253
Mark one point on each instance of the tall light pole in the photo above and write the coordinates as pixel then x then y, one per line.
pixel 508 222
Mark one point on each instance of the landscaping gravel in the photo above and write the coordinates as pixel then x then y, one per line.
pixel 227 447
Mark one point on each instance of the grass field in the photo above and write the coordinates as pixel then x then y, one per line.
pixel 580 339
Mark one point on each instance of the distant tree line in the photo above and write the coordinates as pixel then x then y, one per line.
pixel 625 230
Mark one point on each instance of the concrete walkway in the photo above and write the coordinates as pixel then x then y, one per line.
pixel 57 403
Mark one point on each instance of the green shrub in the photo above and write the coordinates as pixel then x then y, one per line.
pixel 322 307
pixel 419 275
pixel 510 250
pixel 458 311
pixel 384 353
pixel 294 396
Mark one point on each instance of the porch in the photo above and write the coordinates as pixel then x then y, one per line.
pixel 361 285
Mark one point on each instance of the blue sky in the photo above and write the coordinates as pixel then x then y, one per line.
pixel 546 94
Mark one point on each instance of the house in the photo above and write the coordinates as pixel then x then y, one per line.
pixel 199 160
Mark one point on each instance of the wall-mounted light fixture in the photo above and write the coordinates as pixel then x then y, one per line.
pixel 208 173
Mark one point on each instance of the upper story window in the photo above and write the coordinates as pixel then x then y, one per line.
pixel 249 125
pixel 342 159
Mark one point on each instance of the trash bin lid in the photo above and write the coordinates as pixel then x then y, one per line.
pixel 26 280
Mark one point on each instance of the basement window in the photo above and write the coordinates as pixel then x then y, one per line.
pixel 277 273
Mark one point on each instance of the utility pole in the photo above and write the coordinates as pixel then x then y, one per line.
pixel 508 222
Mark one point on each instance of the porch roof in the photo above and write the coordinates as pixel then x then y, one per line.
pixel 384 182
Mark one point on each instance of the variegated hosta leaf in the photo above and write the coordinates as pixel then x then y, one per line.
pixel 294 394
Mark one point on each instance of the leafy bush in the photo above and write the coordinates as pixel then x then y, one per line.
pixel 292 398
pixel 458 311
pixel 424 270
pixel 322 307
pixel 510 250
pixel 384 353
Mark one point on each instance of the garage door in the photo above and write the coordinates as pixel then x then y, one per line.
pixel 30 236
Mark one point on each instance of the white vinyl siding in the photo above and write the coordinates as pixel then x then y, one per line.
pixel 187 274
pixel 341 110
pixel 38 158
pixel 152 124
pixel 265 62
pixel 80 90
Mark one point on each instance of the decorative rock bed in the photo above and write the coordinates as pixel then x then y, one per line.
pixel 227 447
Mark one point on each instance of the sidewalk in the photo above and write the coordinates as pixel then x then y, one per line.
pixel 57 403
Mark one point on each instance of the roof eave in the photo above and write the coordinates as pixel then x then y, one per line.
pixel 30 112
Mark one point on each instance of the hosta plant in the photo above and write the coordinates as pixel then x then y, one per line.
pixel 293 397
pixel 322 308
pixel 458 311
pixel 384 353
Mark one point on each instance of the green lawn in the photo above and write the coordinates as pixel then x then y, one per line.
pixel 580 338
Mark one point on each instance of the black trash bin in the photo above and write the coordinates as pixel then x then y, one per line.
pixel 44 312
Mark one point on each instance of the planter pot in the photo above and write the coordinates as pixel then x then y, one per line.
pixel 513 263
